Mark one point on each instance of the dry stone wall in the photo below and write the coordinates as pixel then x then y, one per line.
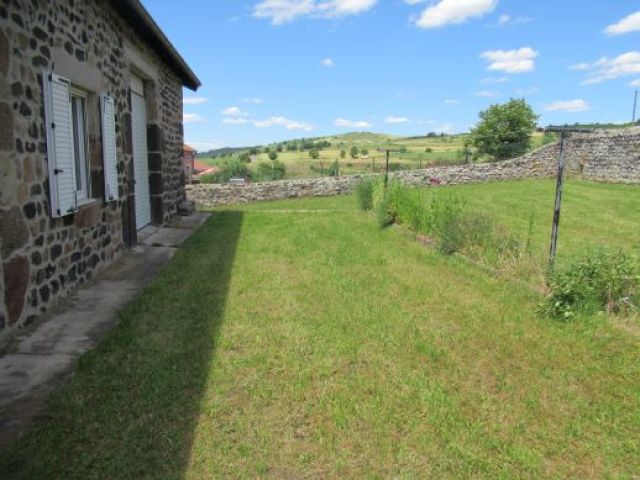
pixel 606 155
pixel 536 164
pixel 602 155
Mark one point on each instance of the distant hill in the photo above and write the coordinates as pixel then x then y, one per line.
pixel 220 151
pixel 359 139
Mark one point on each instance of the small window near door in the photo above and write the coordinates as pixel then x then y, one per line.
pixel 79 125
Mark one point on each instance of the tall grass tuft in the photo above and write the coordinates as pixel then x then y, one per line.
pixel 445 218
pixel 364 193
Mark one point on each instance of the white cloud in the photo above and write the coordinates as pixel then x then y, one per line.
pixel 343 122
pixel 252 100
pixel 328 62
pixel 396 120
pixel 283 122
pixel 451 101
pixel 192 118
pixel 630 23
pixel 234 112
pixel 234 121
pixel 610 68
pixel 635 83
pixel 284 11
pixel 580 66
pixel 204 145
pixel 447 128
pixel 496 80
pixel 508 20
pixel 487 94
pixel 578 105
pixel 194 100
pixel 511 61
pixel 446 12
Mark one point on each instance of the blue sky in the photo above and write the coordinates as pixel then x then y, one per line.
pixel 278 69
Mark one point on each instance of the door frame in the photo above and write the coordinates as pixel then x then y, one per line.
pixel 137 89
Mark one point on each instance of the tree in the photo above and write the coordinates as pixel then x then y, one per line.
pixel 273 155
pixel 334 169
pixel 343 154
pixel 364 151
pixel 505 129
pixel 271 171
pixel 232 168
pixel 314 153
pixel 354 152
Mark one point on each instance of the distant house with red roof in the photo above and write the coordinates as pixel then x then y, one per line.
pixel 188 160
pixel 202 168
pixel 193 168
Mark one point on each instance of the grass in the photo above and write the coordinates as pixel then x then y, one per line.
pixel 296 339
pixel 593 214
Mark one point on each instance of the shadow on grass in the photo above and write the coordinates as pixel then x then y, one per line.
pixel 131 409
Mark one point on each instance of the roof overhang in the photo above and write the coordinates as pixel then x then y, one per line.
pixel 140 20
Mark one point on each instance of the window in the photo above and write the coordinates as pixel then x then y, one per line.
pixel 68 115
pixel 79 126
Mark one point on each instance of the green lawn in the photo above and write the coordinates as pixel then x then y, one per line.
pixel 593 214
pixel 296 339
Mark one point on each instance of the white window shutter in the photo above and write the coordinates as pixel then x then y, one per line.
pixel 60 154
pixel 108 109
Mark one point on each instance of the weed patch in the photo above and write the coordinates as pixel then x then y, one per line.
pixel 601 281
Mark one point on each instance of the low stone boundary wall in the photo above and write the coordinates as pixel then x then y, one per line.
pixel 606 155
pixel 609 155
pixel 536 164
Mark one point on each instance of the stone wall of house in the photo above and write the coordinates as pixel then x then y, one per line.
pixel 603 155
pixel 41 258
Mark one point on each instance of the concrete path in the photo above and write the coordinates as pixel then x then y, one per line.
pixel 43 356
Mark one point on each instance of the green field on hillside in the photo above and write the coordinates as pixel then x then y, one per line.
pixel 408 153
pixel 298 339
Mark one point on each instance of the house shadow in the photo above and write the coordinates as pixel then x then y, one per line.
pixel 132 407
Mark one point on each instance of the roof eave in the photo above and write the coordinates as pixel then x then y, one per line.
pixel 138 17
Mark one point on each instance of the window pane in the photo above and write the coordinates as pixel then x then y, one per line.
pixel 75 107
pixel 79 144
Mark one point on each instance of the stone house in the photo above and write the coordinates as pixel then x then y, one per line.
pixel 91 142
pixel 188 157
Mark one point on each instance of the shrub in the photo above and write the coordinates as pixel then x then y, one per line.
pixel 601 281
pixel 364 193
pixel 334 169
pixel 275 170
pixel 232 168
